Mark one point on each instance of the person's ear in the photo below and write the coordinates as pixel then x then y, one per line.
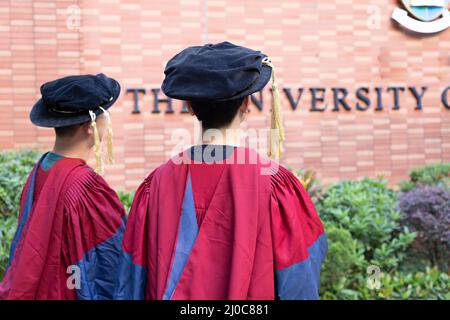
pixel 244 106
pixel 87 128
pixel 188 105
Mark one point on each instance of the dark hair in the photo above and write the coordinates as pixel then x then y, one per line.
pixel 216 114
pixel 67 130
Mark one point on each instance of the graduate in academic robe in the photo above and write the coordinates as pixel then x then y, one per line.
pixel 71 223
pixel 220 221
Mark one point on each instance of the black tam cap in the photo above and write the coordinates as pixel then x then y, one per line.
pixel 67 101
pixel 216 72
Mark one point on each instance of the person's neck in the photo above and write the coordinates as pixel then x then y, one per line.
pixel 228 136
pixel 71 150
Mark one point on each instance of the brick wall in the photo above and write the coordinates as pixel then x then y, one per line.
pixel 340 43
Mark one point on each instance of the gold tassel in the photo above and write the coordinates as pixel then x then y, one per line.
pixel 99 168
pixel 109 137
pixel 276 136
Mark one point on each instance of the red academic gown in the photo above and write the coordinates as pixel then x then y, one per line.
pixel 213 229
pixel 69 233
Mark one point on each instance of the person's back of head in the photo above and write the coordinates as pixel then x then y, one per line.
pixel 216 81
pixel 77 108
pixel 218 114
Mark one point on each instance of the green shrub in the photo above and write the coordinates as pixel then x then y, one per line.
pixel 15 166
pixel 367 209
pixel 343 259
pixel 364 228
pixel 7 231
pixel 430 284
pixel 433 174
pixel 126 198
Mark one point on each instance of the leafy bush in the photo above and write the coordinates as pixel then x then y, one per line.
pixel 430 284
pixel 367 209
pixel 426 210
pixel 342 260
pixel 7 231
pixel 126 198
pixel 15 166
pixel 365 229
pixel 434 174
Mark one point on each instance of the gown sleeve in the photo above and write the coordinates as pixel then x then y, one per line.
pixel 132 275
pixel 299 241
pixel 94 223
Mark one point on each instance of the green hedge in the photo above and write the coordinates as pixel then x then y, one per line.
pixel 424 285
pixel 15 167
pixel 433 174
pixel 365 229
pixel 7 230
pixel 367 209
pixel 126 198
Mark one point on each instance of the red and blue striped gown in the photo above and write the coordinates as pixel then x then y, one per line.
pixel 205 225
pixel 71 223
